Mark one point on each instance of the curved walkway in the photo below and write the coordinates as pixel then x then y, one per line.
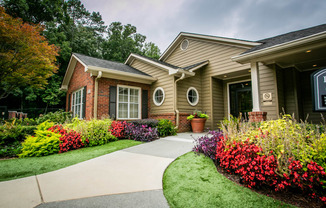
pixel 127 178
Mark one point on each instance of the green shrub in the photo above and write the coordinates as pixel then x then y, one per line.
pixel 96 131
pixel 43 143
pixel 58 117
pixel 165 128
pixel 10 150
pixel 12 132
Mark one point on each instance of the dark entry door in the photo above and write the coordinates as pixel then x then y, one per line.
pixel 240 99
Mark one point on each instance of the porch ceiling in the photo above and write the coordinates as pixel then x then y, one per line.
pixel 234 75
pixel 306 59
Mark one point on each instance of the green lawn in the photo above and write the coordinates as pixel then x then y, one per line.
pixel 18 168
pixel 193 181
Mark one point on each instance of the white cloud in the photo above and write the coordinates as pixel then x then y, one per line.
pixel 162 20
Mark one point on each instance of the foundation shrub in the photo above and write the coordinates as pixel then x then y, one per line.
pixel 94 132
pixel 69 139
pixel 207 144
pixel 148 122
pixel 43 143
pixel 165 128
pixel 58 117
pixel 141 133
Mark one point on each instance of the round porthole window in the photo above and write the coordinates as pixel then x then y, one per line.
pixel 184 45
pixel 192 96
pixel 158 96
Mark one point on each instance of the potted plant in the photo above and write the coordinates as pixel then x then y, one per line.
pixel 197 120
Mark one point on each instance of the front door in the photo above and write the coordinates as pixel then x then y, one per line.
pixel 240 99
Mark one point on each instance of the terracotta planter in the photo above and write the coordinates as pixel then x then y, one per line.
pixel 198 124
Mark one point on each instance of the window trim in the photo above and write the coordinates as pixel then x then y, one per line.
pixel 74 104
pixel 190 103
pixel 154 100
pixel 139 102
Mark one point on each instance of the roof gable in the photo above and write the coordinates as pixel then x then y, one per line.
pixel 109 69
pixel 183 35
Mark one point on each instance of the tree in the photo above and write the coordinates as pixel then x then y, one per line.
pixel 151 50
pixel 35 11
pixel 123 40
pixel 26 58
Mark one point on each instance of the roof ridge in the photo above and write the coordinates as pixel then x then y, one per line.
pixel 98 58
pixel 215 36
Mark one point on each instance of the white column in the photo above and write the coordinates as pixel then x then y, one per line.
pixel 255 86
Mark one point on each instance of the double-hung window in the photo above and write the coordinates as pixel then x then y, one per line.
pixel 77 103
pixel 128 102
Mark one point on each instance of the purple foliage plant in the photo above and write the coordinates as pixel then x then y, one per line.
pixel 207 144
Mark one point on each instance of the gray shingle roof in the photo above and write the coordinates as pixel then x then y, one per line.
pixel 193 66
pixel 91 61
pixel 269 42
pixel 172 66
pixel 160 62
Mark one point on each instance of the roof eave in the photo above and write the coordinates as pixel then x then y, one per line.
pixel 111 73
pixel 70 70
pixel 164 67
pixel 247 57
pixel 199 66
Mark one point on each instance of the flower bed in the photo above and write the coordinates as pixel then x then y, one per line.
pixel 281 154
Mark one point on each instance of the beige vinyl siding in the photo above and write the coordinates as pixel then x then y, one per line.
pixel 163 80
pixel 183 86
pixel 219 56
pixel 280 89
pixel 220 63
pixel 267 84
pixel 218 102
pixel 290 97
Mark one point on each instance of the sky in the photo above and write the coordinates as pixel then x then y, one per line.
pixel 162 20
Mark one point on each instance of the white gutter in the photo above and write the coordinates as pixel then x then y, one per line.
pixel 244 58
pixel 96 93
pixel 176 100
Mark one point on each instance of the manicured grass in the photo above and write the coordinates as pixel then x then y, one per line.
pixel 18 168
pixel 193 181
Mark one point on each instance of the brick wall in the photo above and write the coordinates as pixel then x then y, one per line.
pixel 257 116
pixel 80 79
pixel 184 124
pixel 104 94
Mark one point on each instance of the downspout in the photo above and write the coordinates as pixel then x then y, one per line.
pixel 175 100
pixel 96 93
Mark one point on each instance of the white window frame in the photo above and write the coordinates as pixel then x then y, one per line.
pixel 154 100
pixel 139 102
pixel 74 103
pixel 190 103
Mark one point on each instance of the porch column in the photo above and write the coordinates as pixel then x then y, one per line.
pixel 256 115
pixel 255 87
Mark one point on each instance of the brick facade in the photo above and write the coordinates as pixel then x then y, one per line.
pixel 80 79
pixel 184 124
pixel 104 94
pixel 257 116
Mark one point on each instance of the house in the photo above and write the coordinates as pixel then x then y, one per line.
pixel 217 75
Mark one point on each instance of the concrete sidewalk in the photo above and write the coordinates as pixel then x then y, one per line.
pixel 127 178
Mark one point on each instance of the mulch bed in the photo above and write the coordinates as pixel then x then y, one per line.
pixel 296 199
